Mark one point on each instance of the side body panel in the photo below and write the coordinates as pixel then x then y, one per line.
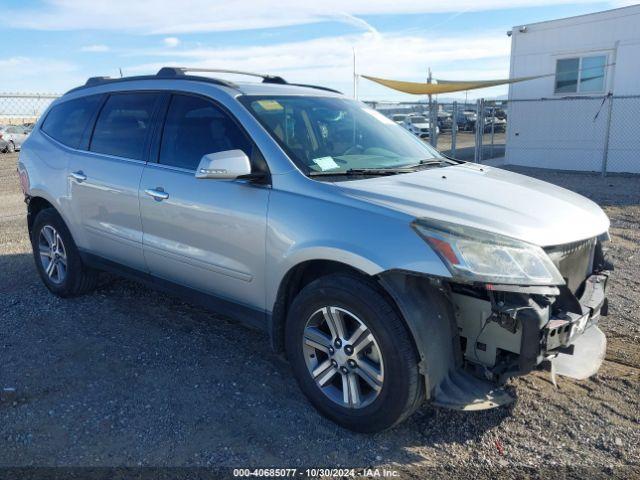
pixel 311 220
pixel 208 234
pixel 105 206
pixel 45 164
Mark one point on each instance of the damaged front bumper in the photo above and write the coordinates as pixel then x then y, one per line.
pixel 525 328
pixel 471 338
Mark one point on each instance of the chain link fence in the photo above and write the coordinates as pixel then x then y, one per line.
pixel 458 127
pixel 594 134
pixel 21 108
pixel 597 134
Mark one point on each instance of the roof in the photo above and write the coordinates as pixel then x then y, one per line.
pixel 584 18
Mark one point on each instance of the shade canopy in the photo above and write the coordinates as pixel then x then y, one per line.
pixel 443 86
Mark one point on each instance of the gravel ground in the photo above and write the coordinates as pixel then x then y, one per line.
pixel 127 377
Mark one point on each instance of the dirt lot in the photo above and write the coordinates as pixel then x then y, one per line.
pixel 127 377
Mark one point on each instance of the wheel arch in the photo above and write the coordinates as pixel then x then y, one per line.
pixel 294 280
pixel 303 273
pixel 35 204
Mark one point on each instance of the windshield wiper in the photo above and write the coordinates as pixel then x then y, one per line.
pixel 433 161
pixel 366 171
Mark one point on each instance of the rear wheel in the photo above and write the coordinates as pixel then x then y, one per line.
pixel 352 354
pixel 57 258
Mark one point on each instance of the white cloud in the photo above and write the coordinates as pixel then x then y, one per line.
pixel 328 61
pixel 25 74
pixel 165 17
pixel 171 41
pixel 95 48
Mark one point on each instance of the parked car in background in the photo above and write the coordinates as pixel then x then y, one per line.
pixel 418 125
pixel 445 121
pixel 466 120
pixel 399 117
pixel 3 146
pixel 14 135
pixel 499 124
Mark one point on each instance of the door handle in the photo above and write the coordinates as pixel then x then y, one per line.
pixel 78 176
pixel 157 193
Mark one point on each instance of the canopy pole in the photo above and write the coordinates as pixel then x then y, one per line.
pixel 432 130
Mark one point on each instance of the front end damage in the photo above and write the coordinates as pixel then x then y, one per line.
pixel 473 337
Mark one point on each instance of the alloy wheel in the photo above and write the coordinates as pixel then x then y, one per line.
pixel 53 254
pixel 343 357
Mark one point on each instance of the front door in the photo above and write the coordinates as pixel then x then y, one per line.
pixel 205 234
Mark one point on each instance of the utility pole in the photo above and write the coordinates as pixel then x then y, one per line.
pixel 355 75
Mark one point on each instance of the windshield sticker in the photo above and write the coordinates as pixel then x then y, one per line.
pixel 379 116
pixel 269 105
pixel 325 163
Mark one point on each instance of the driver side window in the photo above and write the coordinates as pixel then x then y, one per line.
pixel 195 127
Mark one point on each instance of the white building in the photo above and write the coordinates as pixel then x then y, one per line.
pixel 560 121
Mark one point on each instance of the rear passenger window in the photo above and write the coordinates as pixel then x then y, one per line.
pixel 123 125
pixel 66 122
pixel 195 127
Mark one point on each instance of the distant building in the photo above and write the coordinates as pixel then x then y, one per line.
pixel 587 57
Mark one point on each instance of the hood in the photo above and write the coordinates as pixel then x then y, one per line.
pixel 488 198
pixel 420 125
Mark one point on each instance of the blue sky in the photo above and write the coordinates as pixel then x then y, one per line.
pixel 54 45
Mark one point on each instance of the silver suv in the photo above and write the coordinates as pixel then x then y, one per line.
pixel 388 273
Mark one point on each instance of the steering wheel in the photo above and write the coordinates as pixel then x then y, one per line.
pixel 354 150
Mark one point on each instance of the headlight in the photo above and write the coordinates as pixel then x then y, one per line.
pixel 476 255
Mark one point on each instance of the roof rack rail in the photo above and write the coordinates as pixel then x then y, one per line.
pixel 317 87
pixel 96 81
pixel 182 71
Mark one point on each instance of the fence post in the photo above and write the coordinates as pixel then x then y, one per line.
pixel 607 131
pixel 493 126
pixel 433 124
pixel 477 158
pixel 454 129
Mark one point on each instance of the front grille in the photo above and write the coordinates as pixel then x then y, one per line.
pixel 574 261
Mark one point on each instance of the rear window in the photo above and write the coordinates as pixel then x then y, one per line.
pixel 123 125
pixel 66 122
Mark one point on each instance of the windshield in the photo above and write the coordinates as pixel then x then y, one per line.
pixel 399 118
pixel 324 134
pixel 418 120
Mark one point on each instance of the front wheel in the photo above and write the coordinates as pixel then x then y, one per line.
pixel 352 354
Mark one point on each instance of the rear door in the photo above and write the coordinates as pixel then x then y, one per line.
pixel 104 181
pixel 205 234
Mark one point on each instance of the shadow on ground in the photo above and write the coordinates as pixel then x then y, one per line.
pixel 127 375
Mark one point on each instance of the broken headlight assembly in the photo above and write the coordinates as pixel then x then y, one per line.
pixel 475 255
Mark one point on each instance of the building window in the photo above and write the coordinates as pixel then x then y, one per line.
pixel 580 74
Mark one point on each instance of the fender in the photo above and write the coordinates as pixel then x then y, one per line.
pixel 428 313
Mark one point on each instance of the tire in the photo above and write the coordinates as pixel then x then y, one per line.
pixel 358 301
pixel 11 148
pixel 70 277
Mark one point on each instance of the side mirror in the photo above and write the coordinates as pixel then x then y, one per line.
pixel 227 165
